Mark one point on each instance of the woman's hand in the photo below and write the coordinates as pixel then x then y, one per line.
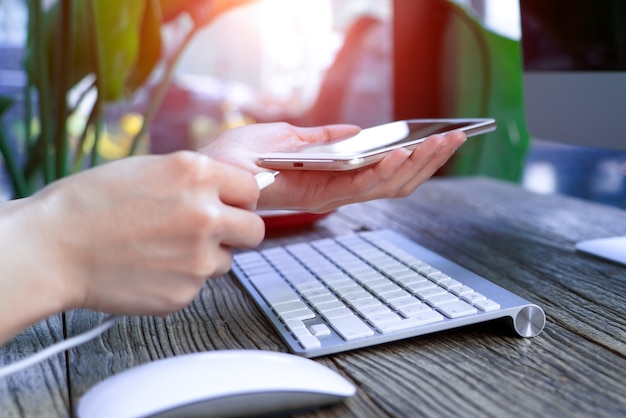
pixel 397 175
pixel 135 236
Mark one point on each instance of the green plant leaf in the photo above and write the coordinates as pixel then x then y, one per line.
pixel 118 27
pixel 5 104
pixel 18 181
pixel 118 30
pixel 149 47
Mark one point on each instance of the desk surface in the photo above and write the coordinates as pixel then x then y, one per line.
pixel 519 240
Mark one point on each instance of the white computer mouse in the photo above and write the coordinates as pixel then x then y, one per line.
pixel 224 383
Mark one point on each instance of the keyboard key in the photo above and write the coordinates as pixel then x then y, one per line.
pixel 473 297
pixel 371 277
pixel 414 281
pixel 364 303
pixel 456 309
pixel 404 302
pixel 329 305
pixel 296 305
pixel 425 318
pixel 310 287
pixel 449 283
pixel 353 290
pixel 274 289
pixel 308 340
pixel 405 276
pixel 441 299
pixel 395 295
pixel 384 317
pixel 319 330
pixel 387 288
pixel 356 296
pixel 294 325
pixel 487 305
pixel 299 314
pixel 318 296
pixel 414 310
pixel 381 321
pixel 374 310
pixel 331 314
pixel 462 290
pixel 351 327
pixel 341 283
pixel 421 286
pixel 438 277
pixel 430 292
pixel 426 270
pixel 373 284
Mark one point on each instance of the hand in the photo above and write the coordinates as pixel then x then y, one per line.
pixel 397 175
pixel 135 236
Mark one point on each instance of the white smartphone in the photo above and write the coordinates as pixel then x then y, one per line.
pixel 370 145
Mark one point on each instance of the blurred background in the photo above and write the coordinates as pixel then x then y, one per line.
pixel 307 62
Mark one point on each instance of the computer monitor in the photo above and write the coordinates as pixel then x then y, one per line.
pixel 574 55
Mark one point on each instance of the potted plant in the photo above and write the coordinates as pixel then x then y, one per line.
pixel 86 54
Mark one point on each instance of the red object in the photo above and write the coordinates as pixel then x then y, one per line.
pixel 276 220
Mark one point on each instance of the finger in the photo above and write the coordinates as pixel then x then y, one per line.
pixel 223 257
pixel 327 134
pixel 419 166
pixel 236 187
pixel 456 138
pixel 235 228
pixel 227 228
pixel 244 229
pixel 438 154
pixel 423 164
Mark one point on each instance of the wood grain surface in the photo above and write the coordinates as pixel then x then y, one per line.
pixel 520 240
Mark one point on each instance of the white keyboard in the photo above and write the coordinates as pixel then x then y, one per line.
pixel 358 290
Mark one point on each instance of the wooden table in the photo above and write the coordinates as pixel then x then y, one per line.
pixel 519 240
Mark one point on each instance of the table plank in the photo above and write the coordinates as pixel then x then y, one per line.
pixel 40 390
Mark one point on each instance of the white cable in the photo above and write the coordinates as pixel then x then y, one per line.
pixel 107 323
pixel 265 178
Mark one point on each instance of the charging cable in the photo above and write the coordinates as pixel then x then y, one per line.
pixel 57 348
pixel 265 178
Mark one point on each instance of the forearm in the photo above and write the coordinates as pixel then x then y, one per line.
pixel 29 287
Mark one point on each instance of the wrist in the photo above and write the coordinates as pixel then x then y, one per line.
pixel 32 280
